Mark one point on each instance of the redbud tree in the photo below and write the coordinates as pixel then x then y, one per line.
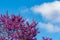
pixel 16 28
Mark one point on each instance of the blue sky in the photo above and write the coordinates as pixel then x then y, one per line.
pixel 30 9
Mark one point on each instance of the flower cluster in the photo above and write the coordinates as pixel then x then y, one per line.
pixel 15 28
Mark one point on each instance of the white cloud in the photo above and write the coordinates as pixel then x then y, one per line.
pixel 51 12
pixel 49 27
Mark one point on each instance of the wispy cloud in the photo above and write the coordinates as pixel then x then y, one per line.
pixel 49 27
pixel 51 12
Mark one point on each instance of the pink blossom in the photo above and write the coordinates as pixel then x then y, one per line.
pixel 17 29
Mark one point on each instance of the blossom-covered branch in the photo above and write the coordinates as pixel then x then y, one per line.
pixel 15 28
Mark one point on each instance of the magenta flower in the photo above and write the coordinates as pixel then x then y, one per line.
pixel 2 38
pixel 16 29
